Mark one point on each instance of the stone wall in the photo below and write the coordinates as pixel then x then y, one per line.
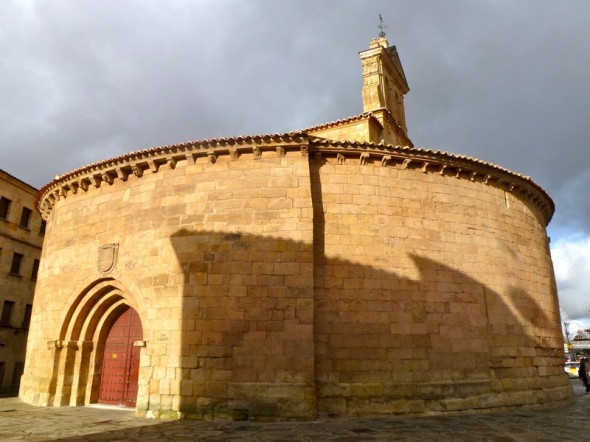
pixel 285 278
pixel 432 294
pixel 17 282
pixel 221 312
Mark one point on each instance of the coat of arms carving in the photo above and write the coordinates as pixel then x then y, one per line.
pixel 107 258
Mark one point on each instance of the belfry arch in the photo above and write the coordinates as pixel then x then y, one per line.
pixel 79 349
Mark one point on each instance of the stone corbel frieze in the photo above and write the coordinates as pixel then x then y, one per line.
pixel 425 161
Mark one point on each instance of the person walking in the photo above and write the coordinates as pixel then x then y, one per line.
pixel 583 373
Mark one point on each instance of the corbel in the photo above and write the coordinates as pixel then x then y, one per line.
pixel 45 211
pixel 257 152
pixel 458 174
pixel 340 158
pixel 190 158
pixel 122 173
pixel 95 180
pixel 137 170
pixel 385 160
pixel 212 156
pixel 171 162
pixel 441 171
pixel 233 153
pixel 153 165
pixel 280 151
pixel 406 163
pixel 472 176
pixel 364 158
pixel 424 168
pixel 107 178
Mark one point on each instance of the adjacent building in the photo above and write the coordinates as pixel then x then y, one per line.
pixel 21 236
pixel 335 271
pixel 581 343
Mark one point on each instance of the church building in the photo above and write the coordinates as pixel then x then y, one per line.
pixel 332 271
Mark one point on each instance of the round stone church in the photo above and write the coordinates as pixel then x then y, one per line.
pixel 332 271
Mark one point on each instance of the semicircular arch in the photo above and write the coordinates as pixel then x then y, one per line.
pixel 86 309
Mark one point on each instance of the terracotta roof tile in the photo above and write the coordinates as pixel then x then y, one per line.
pixel 294 136
pixel 18 179
pixel 363 116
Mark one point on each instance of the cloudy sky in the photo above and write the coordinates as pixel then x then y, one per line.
pixel 506 81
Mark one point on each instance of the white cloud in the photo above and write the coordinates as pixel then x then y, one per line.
pixel 571 259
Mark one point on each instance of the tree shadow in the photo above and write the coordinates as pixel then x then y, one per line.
pixel 268 334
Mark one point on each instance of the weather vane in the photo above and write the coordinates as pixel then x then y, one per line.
pixel 382 26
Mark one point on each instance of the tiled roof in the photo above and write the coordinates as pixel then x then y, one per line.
pixel 202 144
pixel 426 154
pixel 411 154
pixel 18 179
pixel 363 116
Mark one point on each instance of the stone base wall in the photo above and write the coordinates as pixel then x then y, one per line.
pixel 357 400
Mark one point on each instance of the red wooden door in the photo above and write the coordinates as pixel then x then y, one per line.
pixel 120 364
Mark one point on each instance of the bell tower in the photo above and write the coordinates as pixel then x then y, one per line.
pixel 383 120
pixel 384 87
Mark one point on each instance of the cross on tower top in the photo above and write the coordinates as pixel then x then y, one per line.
pixel 381 26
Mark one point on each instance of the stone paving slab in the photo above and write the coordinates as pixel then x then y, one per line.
pixel 23 422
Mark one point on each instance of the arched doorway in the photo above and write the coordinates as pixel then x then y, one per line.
pixel 120 363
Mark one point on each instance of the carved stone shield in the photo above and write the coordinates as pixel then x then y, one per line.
pixel 107 257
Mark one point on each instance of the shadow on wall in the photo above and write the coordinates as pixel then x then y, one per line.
pixel 266 334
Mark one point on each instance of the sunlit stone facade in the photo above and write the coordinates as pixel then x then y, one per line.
pixel 334 271
pixel 21 237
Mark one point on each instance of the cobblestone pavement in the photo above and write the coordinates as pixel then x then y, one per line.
pixel 22 422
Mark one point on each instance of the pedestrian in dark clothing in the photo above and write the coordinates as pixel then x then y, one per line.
pixel 583 373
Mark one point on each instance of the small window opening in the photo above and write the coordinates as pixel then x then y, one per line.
pixel 4 207
pixel 25 217
pixel 17 260
pixel 35 270
pixel 6 313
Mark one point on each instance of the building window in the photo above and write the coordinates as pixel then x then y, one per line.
pixel 6 312
pixel 17 260
pixel 27 317
pixel 4 207
pixel 35 270
pixel 25 217
pixel 42 227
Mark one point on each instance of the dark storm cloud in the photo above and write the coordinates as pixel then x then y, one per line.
pixel 503 81
pixel 507 82
pixel 84 81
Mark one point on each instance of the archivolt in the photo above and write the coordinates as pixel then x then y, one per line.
pixel 98 304
pixel 78 349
